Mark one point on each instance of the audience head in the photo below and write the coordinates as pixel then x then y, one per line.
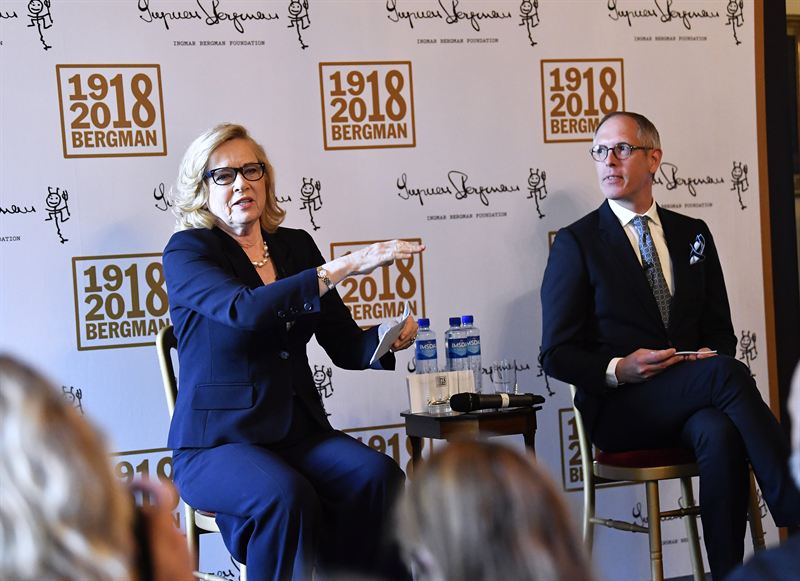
pixel 482 511
pixel 793 406
pixel 63 515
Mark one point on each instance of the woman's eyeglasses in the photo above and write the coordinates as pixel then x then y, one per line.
pixel 224 176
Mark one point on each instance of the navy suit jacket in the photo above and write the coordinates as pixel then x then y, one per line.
pixel 239 366
pixel 597 303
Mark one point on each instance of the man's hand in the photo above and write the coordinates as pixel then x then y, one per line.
pixel 702 353
pixel 643 364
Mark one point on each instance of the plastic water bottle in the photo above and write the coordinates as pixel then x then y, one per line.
pixel 473 348
pixel 454 322
pixel 456 346
pixel 425 348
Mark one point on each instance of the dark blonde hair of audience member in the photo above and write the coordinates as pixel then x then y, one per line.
pixel 190 195
pixel 482 512
pixel 63 515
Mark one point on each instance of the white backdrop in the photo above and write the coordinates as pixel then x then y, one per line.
pixel 464 124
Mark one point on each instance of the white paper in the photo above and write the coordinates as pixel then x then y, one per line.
pixel 466 382
pixel 418 391
pixel 419 386
pixel 388 333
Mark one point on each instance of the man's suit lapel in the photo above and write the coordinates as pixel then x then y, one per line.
pixel 679 243
pixel 629 270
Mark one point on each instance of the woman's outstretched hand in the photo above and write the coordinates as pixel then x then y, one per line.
pixel 368 259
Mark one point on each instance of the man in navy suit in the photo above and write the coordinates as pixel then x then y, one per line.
pixel 627 289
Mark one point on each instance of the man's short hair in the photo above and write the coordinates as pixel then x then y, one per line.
pixel 647 133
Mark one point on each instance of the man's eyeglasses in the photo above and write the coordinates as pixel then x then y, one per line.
pixel 621 150
pixel 224 176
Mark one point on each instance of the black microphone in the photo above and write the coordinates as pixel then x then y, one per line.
pixel 469 402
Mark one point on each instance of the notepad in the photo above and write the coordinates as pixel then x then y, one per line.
pixel 388 333
pixel 696 352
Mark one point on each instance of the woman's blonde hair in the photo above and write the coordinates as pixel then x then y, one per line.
pixel 63 515
pixel 190 195
pixel 481 511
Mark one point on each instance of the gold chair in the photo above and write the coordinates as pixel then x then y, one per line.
pixel 649 467
pixel 197 521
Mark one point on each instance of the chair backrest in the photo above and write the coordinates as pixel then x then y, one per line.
pixel 165 343
pixel 587 455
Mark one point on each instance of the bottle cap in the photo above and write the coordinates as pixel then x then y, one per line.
pixel 455 321
pixel 467 319
pixel 424 323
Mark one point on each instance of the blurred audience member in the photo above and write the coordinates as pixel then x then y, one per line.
pixel 63 514
pixel 781 563
pixel 482 511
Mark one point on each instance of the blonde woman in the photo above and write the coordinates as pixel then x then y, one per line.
pixel 482 511
pixel 251 440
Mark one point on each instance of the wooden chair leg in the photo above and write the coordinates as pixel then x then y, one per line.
pixel 654 526
pixel 754 516
pixel 690 521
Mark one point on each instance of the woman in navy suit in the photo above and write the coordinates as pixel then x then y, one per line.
pixel 250 437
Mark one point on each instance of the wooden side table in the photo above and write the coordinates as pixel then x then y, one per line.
pixel 458 425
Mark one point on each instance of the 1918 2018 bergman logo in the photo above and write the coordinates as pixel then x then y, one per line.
pixel 120 301
pixel 576 94
pixel 571 465
pixel 367 105
pixel 375 297
pixel 111 110
pixel 152 464
pixel 572 476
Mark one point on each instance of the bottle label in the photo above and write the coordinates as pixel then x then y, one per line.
pixel 458 348
pixel 426 349
pixel 473 346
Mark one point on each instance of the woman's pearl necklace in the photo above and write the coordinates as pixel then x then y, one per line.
pixel 260 263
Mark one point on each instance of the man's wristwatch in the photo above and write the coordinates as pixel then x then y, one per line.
pixel 322 275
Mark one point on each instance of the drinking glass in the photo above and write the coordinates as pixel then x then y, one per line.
pixel 504 376
pixel 438 394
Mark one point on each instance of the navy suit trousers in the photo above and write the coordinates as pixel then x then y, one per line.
pixel 319 498
pixel 713 407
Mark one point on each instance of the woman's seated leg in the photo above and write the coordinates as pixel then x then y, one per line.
pixel 357 487
pixel 269 514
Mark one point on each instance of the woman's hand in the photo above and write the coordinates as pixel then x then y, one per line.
pixel 407 336
pixel 368 259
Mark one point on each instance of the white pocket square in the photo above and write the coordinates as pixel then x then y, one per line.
pixel 697 249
